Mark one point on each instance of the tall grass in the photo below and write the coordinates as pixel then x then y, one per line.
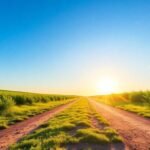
pixel 18 106
pixel 6 104
pixel 24 98
pixel 138 102
pixel 140 97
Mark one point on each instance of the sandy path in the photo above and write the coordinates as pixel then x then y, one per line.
pixel 134 129
pixel 17 131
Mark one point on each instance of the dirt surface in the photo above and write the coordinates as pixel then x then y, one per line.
pixel 112 146
pixel 17 131
pixel 134 129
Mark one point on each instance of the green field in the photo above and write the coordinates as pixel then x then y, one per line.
pixel 137 102
pixel 18 106
pixel 73 127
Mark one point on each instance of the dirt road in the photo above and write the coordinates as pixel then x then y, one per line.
pixel 17 131
pixel 134 129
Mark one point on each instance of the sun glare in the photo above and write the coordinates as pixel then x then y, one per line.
pixel 107 86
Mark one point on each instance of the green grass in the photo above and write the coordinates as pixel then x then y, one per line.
pixel 24 98
pixel 20 113
pixel 18 106
pixel 136 108
pixel 137 102
pixel 72 126
pixel 93 136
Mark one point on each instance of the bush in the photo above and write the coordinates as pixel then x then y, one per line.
pixel 140 97
pixel 146 97
pixel 136 97
pixel 19 100
pixel 6 104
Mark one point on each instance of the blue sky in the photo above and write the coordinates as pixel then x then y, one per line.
pixel 66 46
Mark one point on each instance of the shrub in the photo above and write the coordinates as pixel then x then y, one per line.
pixel 146 97
pixel 136 97
pixel 6 104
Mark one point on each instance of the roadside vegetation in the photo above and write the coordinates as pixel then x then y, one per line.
pixel 18 106
pixel 137 102
pixel 79 126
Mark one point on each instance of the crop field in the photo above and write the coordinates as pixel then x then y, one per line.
pixel 79 126
pixel 137 102
pixel 18 106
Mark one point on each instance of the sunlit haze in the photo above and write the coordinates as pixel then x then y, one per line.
pixel 107 86
pixel 72 46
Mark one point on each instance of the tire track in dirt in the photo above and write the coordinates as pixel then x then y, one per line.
pixel 16 132
pixel 134 129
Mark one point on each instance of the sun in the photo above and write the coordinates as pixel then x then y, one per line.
pixel 107 85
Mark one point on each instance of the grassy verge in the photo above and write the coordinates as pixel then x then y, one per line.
pixel 137 102
pixel 18 106
pixel 20 113
pixel 136 108
pixel 73 127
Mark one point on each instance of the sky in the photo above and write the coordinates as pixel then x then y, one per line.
pixel 67 46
